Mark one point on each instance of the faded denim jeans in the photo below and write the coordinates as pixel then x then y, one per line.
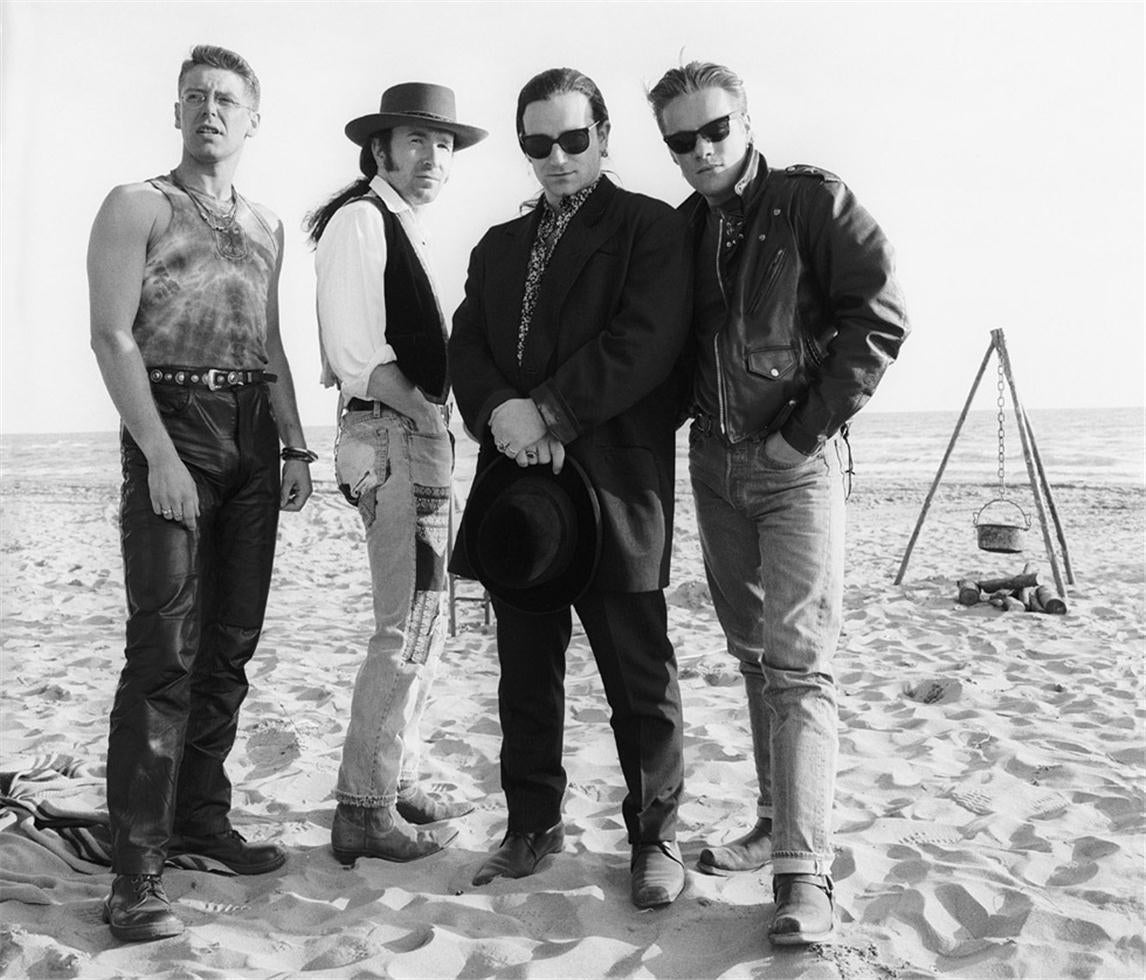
pixel 773 542
pixel 400 478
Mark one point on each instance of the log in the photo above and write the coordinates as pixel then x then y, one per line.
pixel 968 592
pixel 1046 601
pixel 1012 584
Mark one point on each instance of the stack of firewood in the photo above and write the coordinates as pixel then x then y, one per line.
pixel 1019 593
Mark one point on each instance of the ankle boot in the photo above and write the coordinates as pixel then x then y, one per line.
pixel 137 909
pixel 748 853
pixel 378 831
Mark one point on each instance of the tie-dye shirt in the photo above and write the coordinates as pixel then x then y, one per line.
pixel 197 308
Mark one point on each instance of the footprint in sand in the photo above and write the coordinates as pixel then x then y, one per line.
pixel 933 691
pixel 932 837
pixel 273 746
pixel 1046 807
pixel 974 800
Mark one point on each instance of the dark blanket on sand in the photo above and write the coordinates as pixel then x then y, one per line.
pixel 54 829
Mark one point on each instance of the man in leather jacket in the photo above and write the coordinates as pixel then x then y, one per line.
pixel 796 315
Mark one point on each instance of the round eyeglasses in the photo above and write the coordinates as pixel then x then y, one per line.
pixel 193 99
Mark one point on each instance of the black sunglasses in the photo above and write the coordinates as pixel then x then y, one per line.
pixel 714 132
pixel 572 141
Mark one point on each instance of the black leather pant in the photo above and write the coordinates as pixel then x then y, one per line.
pixel 195 605
pixel 628 633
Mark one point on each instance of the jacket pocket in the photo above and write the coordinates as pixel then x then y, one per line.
pixel 772 363
pixel 768 280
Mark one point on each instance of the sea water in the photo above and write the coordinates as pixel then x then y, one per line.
pixel 1077 446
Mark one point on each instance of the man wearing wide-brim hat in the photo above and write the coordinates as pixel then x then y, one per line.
pixel 383 343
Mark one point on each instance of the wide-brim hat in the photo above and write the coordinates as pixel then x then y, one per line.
pixel 533 538
pixel 412 104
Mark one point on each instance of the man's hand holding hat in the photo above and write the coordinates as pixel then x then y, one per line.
pixel 516 425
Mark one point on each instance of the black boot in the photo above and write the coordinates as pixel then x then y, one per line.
pixel 233 850
pixel 137 909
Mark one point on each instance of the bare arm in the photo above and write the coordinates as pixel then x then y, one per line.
pixel 117 252
pixel 296 485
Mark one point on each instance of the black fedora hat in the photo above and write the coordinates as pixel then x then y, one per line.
pixel 412 104
pixel 533 539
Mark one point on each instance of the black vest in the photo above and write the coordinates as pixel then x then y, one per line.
pixel 414 327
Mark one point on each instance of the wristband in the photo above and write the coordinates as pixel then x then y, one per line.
pixel 301 455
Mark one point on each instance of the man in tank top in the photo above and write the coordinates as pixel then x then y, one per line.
pixel 183 275
pixel 383 340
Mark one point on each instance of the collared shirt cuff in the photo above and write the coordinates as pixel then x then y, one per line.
pixel 356 387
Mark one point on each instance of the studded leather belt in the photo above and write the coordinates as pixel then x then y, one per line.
pixel 213 379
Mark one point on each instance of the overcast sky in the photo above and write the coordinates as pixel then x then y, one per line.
pixel 1000 145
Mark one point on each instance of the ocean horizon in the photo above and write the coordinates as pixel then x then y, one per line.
pixel 1077 446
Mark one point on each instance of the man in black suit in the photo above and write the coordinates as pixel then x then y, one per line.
pixel 566 343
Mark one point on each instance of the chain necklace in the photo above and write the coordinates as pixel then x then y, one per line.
pixel 231 241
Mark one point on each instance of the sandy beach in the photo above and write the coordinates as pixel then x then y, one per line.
pixel 990 805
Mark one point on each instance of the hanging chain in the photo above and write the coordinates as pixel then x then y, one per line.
pixel 1002 436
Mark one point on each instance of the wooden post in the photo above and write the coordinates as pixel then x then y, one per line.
pixel 1001 348
pixel 943 463
pixel 1024 421
pixel 451 597
pixel 1039 485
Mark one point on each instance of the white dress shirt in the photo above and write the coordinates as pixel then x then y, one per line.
pixel 350 263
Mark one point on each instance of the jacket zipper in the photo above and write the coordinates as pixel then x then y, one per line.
pixel 720 395
pixel 770 276
pixel 812 351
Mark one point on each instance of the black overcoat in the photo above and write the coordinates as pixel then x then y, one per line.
pixel 601 361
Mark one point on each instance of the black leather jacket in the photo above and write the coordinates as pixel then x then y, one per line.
pixel 813 313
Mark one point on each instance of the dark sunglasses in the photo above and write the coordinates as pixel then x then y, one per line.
pixel 714 132
pixel 572 141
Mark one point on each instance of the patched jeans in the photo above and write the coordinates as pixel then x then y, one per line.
pixel 773 542
pixel 400 478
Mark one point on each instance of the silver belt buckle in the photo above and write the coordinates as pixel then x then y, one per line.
pixel 215 378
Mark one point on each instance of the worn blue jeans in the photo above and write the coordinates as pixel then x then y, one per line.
pixel 400 478
pixel 773 542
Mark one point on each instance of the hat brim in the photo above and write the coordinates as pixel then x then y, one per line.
pixel 568 586
pixel 361 129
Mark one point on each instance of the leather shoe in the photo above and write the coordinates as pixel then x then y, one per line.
pixel 233 850
pixel 137 909
pixel 417 806
pixel 804 910
pixel 657 874
pixel 519 854
pixel 748 853
pixel 378 832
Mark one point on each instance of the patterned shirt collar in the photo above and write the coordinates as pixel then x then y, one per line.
pixel 554 221
pixel 572 202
